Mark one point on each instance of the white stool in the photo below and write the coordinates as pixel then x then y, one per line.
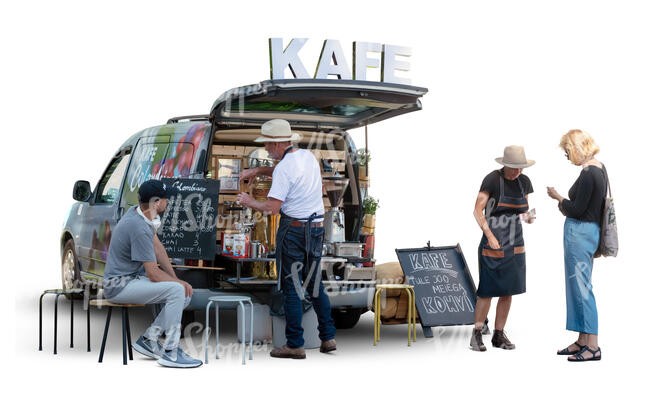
pixel 229 299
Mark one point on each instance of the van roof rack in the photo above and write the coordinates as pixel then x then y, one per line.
pixel 188 118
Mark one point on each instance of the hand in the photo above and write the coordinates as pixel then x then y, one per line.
pixel 244 199
pixel 493 243
pixel 188 288
pixel 248 174
pixel 553 194
pixel 528 217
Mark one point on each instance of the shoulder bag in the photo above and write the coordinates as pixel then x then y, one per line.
pixel 608 245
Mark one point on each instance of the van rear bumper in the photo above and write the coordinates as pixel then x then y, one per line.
pixel 350 294
pixel 342 294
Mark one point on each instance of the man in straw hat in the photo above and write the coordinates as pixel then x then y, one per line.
pixel 501 205
pixel 296 194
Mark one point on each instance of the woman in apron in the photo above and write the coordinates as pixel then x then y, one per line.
pixel 501 253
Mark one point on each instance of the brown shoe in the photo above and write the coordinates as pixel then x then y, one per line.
pixel 499 340
pixel 288 353
pixel 476 342
pixel 328 346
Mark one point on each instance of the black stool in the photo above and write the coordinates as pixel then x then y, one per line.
pixel 59 292
pixel 126 328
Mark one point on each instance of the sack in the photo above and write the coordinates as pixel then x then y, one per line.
pixel 608 245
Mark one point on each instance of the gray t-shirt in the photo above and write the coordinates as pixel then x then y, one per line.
pixel 131 244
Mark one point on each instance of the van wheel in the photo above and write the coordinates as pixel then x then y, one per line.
pixel 69 267
pixel 346 318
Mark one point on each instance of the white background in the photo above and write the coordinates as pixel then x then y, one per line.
pixel 79 78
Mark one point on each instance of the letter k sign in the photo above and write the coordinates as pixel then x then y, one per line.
pixel 283 57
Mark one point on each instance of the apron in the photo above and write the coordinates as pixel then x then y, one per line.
pixel 283 228
pixel 502 272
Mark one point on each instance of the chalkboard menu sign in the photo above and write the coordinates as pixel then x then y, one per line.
pixel 444 290
pixel 189 225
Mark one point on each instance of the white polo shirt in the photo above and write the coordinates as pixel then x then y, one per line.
pixel 297 183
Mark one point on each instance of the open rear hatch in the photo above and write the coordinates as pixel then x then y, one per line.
pixel 313 104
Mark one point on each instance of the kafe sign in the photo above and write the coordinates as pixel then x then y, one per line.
pixel 332 60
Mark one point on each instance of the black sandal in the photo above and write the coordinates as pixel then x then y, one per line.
pixel 580 358
pixel 566 350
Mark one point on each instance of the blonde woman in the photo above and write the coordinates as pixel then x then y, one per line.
pixel 583 210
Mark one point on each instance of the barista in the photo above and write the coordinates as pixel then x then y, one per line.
pixel 502 258
pixel 296 194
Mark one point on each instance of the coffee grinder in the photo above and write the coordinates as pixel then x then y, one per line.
pixel 334 221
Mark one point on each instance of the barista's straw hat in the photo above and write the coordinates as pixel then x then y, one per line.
pixel 514 157
pixel 277 130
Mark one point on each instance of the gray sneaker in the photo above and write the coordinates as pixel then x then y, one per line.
pixel 476 342
pixel 147 347
pixel 179 359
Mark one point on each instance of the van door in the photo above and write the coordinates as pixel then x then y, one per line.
pixel 313 104
pixel 161 156
pixel 100 217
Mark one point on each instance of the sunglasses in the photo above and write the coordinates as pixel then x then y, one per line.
pixel 566 154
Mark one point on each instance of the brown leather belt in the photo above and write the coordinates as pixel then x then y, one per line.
pixel 301 224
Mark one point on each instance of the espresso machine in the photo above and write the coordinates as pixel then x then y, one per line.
pixel 334 221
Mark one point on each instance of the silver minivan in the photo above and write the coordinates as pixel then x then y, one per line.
pixel 186 147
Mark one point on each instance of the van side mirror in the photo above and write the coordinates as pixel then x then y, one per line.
pixel 81 191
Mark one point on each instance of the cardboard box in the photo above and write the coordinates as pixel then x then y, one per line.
pixel 359 273
pixel 227 242
pixel 240 245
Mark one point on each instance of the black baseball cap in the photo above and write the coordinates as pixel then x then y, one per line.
pixel 153 189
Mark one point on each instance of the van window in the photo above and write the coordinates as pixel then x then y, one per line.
pixel 334 109
pixel 108 189
pixel 179 159
pixel 147 163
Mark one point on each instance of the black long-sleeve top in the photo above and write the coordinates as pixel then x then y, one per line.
pixel 586 196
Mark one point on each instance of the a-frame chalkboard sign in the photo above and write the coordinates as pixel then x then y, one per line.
pixel 445 293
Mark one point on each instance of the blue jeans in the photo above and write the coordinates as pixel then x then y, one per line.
pixel 294 275
pixel 580 242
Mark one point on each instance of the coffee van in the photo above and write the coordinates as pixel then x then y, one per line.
pixel 190 147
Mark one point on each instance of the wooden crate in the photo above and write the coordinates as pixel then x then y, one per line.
pixel 227 197
pixel 249 149
pixel 331 154
pixel 221 150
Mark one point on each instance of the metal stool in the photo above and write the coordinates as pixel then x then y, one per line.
pixel 229 299
pixel 126 328
pixel 410 317
pixel 59 292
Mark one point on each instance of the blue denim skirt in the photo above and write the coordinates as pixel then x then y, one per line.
pixel 580 243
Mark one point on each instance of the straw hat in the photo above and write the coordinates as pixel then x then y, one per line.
pixel 277 130
pixel 514 157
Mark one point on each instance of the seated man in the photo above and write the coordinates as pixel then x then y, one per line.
pixel 132 275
